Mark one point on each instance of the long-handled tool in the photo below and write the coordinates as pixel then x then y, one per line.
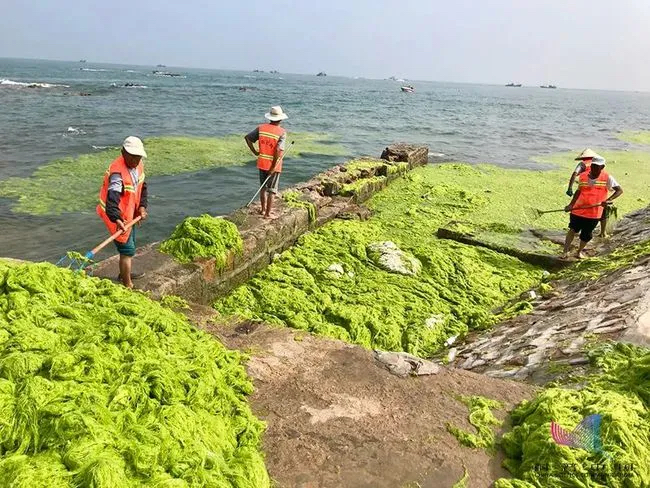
pixel 267 178
pixel 539 213
pixel 77 261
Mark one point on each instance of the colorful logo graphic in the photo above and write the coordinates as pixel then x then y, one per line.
pixel 585 436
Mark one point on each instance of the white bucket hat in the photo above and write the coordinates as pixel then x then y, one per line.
pixel 598 160
pixel 587 154
pixel 276 114
pixel 133 145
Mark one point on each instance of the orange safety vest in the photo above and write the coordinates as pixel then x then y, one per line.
pixel 268 141
pixel 130 200
pixel 591 195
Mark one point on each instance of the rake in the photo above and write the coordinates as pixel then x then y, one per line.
pixel 77 261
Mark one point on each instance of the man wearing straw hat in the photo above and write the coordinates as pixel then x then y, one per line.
pixel 122 197
pixel 271 142
pixel 588 204
pixel 585 158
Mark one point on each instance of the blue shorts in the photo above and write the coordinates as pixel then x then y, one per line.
pixel 128 248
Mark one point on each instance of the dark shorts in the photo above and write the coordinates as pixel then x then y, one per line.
pixel 128 248
pixel 273 182
pixel 584 226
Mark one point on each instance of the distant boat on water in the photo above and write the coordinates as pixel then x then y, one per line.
pixel 160 66
pixel 82 60
pixel 322 73
pixel 515 85
pixel 408 88
pixel 547 86
pixel 274 72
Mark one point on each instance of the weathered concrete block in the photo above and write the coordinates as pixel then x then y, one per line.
pixel 415 155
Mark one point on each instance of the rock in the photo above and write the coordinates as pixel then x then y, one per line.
pixel 336 268
pixel 451 340
pixel 403 364
pixel 452 354
pixel 391 258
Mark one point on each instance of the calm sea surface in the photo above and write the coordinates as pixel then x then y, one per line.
pixel 459 122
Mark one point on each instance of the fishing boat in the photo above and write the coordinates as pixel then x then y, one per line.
pixel 322 73
pixel 547 86
pixel 407 88
pixel 515 85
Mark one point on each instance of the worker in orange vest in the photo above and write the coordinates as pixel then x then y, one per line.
pixel 588 203
pixel 122 197
pixel 271 143
pixel 585 158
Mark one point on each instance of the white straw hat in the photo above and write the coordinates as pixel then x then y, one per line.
pixel 587 154
pixel 133 145
pixel 276 114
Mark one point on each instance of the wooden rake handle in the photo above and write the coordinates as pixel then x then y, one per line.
pixel 110 239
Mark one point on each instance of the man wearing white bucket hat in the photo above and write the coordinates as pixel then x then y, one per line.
pixel 271 142
pixel 585 158
pixel 589 202
pixel 122 197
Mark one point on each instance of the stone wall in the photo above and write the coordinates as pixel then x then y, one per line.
pixel 332 193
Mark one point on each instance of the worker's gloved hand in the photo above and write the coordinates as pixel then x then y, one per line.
pixel 569 192
pixel 142 211
pixel 607 203
pixel 120 225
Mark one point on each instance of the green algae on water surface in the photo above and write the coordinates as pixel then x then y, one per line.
pixel 46 190
pixel 641 137
pixel 482 418
pixel 102 387
pixel 620 392
pixel 204 237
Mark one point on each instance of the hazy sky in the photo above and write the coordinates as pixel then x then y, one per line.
pixel 572 43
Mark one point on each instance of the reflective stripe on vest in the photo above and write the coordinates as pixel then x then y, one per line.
pixel 130 200
pixel 268 141
pixel 591 194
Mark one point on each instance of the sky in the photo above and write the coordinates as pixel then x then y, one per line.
pixel 600 44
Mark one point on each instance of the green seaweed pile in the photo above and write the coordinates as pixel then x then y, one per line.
pixel 620 393
pixel 204 237
pixel 295 199
pixel 482 418
pixel 41 193
pixel 328 284
pixel 102 387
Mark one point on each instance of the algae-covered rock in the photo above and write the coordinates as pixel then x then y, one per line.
pixel 391 258
pixel 204 237
pixel 102 387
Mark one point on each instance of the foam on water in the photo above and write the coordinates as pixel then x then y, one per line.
pixel 7 82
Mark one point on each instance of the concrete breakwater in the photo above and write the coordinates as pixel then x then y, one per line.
pixel 333 193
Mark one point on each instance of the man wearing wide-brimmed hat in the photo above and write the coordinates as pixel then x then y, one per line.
pixel 271 142
pixel 589 202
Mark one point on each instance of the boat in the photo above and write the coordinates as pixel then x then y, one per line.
pixel 515 85
pixel 322 73
pixel 82 60
pixel 547 86
pixel 408 88
pixel 274 72
pixel 160 66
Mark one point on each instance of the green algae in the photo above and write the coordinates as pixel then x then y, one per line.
pixel 295 199
pixel 620 392
pixel 462 483
pixel 56 188
pixel 360 185
pixel 482 418
pixel 174 302
pixel 641 137
pixel 455 290
pixel 593 268
pixel 204 237
pixel 102 387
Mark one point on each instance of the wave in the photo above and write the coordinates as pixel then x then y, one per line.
pixel 128 85
pixel 101 148
pixel 6 82
pixel 92 69
pixel 74 131
pixel 436 155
